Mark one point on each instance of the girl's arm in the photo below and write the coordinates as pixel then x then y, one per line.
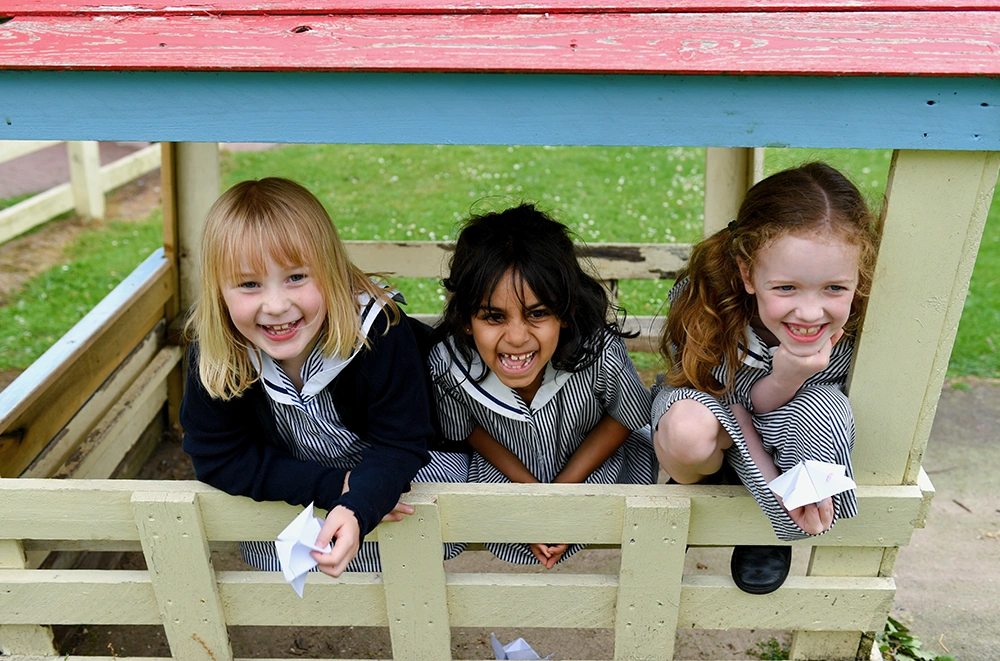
pixel 502 459
pixel 788 373
pixel 603 440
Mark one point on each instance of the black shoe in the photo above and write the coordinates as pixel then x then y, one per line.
pixel 760 569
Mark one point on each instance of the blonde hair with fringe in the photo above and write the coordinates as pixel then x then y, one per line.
pixel 707 320
pixel 278 219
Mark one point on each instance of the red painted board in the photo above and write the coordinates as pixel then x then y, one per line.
pixel 301 7
pixel 856 43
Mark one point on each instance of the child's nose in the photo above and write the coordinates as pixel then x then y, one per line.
pixel 810 309
pixel 517 332
pixel 275 303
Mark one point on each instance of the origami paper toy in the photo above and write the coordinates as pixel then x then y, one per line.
pixel 294 544
pixel 810 482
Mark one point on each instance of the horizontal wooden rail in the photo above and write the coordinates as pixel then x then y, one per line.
pixel 46 396
pixel 44 206
pixel 647 598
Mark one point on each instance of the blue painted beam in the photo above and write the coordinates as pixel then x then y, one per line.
pixel 564 109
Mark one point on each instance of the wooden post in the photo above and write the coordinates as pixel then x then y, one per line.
pixel 936 207
pixel 196 187
pixel 649 584
pixel 413 571
pixel 180 566
pixel 85 178
pixel 729 173
pixel 22 639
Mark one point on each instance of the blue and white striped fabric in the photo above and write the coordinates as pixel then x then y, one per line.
pixel 546 433
pixel 816 424
pixel 312 430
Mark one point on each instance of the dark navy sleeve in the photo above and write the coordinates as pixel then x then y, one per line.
pixel 389 392
pixel 230 448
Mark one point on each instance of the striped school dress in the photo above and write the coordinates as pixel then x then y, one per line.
pixel 816 424
pixel 311 428
pixel 546 433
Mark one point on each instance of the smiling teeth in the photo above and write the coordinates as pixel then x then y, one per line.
pixel 805 332
pixel 280 328
pixel 508 359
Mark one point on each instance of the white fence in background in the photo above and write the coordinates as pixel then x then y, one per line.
pixel 89 182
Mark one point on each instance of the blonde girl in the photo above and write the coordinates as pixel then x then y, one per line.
pixel 303 386
pixel 758 342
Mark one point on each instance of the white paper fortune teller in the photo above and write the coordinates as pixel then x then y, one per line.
pixel 515 650
pixel 810 482
pixel 294 544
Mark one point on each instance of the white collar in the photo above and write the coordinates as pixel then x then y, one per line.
pixel 491 391
pixel 274 378
pixel 758 354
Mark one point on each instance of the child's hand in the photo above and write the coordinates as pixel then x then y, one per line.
pixel 548 554
pixel 341 525
pixel 815 517
pixel 794 368
pixel 397 512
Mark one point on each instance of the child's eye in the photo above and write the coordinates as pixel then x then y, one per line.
pixel 786 288
pixel 491 317
pixel 249 284
pixel 538 314
pixel 838 288
pixel 298 277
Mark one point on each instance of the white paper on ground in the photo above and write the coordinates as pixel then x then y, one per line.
pixel 518 649
pixel 810 482
pixel 294 544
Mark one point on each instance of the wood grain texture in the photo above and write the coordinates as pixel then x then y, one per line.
pixel 926 43
pixel 50 392
pixel 57 7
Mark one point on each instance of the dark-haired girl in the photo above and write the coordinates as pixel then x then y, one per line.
pixel 531 372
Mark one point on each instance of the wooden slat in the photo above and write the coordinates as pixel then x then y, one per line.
pixel 415 598
pixel 933 43
pixel 50 392
pixel 720 515
pixel 55 454
pixel 653 544
pixel 802 603
pixel 118 431
pixel 11 149
pixel 611 261
pixel 34 211
pixel 56 7
pixel 180 568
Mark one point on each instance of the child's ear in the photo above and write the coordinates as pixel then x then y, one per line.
pixel 745 275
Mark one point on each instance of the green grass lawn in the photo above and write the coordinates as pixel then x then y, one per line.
pixel 421 192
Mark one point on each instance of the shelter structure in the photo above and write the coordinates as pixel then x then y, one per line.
pixel 921 77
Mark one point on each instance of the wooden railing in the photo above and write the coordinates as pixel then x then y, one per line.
pixel 89 182
pixel 176 524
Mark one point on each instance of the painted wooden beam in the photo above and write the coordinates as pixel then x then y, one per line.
pixel 393 108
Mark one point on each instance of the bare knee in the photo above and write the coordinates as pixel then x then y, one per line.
pixel 689 441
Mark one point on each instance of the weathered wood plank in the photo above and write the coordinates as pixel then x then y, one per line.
pixel 50 392
pixel 180 568
pixel 611 261
pixel 55 454
pixel 653 543
pixel 21 638
pixel 34 211
pixel 921 280
pixel 118 431
pixel 951 43
pixel 415 598
pixel 720 516
pixel 11 149
pixel 57 7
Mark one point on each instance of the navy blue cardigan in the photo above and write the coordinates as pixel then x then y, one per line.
pixel 381 396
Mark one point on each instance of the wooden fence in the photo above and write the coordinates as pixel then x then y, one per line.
pixel 176 524
pixel 89 182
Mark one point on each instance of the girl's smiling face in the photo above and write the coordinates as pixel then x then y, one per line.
pixel 516 335
pixel 280 310
pixel 804 287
